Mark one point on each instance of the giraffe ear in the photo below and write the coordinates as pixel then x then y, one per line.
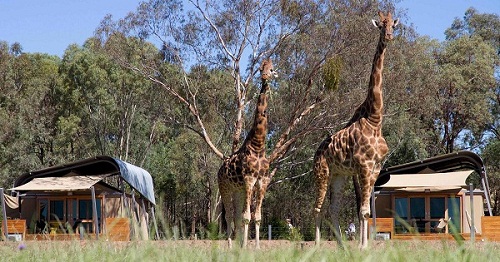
pixel 375 23
pixel 395 23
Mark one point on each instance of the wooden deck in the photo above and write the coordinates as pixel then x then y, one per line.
pixel 59 237
pixel 117 229
pixel 434 236
pixel 490 231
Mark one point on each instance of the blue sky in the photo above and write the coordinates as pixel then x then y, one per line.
pixel 51 26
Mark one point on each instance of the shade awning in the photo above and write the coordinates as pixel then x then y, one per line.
pixel 67 183
pixel 437 181
pixel 138 178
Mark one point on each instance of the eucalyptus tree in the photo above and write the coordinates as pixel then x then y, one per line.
pixel 27 107
pixel 232 37
pixel 486 26
pixel 466 89
pixel 104 108
pixel 469 63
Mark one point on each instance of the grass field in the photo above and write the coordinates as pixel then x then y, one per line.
pixel 198 250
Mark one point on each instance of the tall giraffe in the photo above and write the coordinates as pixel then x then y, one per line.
pixel 358 149
pixel 247 169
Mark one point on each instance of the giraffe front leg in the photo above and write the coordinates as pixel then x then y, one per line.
pixel 261 191
pixel 247 215
pixel 367 182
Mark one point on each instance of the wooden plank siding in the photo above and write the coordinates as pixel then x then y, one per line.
pixel 384 225
pixel 118 229
pixel 490 227
pixel 15 226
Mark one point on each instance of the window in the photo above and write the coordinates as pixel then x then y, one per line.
pixel 454 214
pixel 57 211
pixel 401 208
pixel 424 213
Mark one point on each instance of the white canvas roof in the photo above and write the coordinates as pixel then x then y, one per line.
pixel 433 181
pixel 66 183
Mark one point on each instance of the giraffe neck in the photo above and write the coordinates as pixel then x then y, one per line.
pixel 371 109
pixel 256 138
pixel 374 99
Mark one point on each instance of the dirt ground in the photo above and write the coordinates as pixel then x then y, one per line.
pixel 264 244
pixel 284 244
pixel 270 244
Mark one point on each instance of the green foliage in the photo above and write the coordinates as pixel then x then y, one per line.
pixel 331 73
pixel 280 229
pixel 211 232
pixel 295 235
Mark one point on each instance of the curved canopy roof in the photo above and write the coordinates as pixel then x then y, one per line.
pixel 138 178
pixel 461 160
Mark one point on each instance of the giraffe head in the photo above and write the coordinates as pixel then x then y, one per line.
pixel 267 70
pixel 386 25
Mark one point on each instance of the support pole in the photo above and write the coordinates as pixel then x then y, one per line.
pixel 94 213
pixel 154 222
pixel 144 220
pixel 135 216
pixel 104 214
pixel 4 214
pixel 472 227
pixel 486 190
pixel 373 229
pixel 269 234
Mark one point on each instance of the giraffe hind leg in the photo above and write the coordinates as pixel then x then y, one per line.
pixel 239 206
pixel 229 207
pixel 336 191
pixel 322 173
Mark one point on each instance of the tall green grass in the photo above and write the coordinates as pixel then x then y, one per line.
pixel 185 250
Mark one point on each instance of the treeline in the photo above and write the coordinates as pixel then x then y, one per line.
pixel 171 87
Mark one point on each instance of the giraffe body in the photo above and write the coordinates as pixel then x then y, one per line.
pixel 245 172
pixel 356 150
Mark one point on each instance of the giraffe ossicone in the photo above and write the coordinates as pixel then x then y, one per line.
pixel 356 150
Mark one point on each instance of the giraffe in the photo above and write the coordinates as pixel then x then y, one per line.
pixel 246 170
pixel 358 149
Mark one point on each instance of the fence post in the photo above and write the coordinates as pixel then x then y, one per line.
pixel 472 227
pixel 4 214
pixel 269 234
